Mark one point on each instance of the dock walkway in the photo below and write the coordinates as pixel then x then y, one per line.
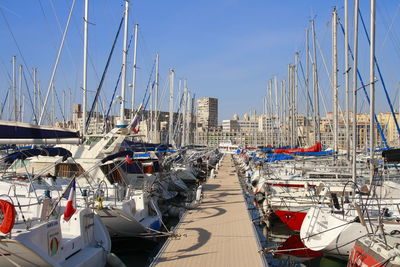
pixel 219 232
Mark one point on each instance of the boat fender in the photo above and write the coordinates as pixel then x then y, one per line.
pixel 114 261
pixel 100 203
pixel 259 197
pixel 394 232
pixel 335 201
pixel 306 186
pixel 9 214
pixel 199 194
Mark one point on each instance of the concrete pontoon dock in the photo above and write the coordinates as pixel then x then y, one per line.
pixel 219 232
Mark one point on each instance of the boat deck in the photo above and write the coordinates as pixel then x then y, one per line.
pixel 219 232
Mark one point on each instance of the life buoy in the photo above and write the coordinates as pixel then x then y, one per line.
pixel 9 214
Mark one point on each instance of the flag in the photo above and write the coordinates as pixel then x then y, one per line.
pixel 128 160
pixel 135 124
pixel 71 204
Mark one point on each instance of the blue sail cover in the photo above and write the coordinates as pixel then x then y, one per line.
pixel 143 147
pixel 271 149
pixel 13 130
pixel 279 157
pixel 47 151
pixel 125 153
pixel 275 157
pixel 317 154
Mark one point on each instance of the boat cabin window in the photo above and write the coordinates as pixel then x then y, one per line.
pixel 68 170
pixel 19 163
pixel 112 172
pixel 141 167
pixel 110 142
pixel 93 140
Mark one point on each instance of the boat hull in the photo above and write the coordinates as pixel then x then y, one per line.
pixel 292 219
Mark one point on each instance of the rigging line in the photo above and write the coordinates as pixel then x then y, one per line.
pixel 57 61
pixel 365 92
pixel 81 39
pixel 179 117
pixel 4 103
pixel 308 92
pixel 148 83
pixel 53 44
pixel 148 97
pixel 6 71
pixel 106 120
pixel 15 41
pixel 389 30
pixel 68 49
pixel 87 123
pixel 112 99
pixel 60 29
pixel 322 92
pixel 166 82
pixel 59 104
pixel 30 97
pixel 380 75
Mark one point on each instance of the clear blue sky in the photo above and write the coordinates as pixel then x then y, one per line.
pixel 226 49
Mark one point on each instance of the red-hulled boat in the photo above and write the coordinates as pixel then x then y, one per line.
pixel 316 148
pixel 294 247
pixel 293 219
pixel 372 251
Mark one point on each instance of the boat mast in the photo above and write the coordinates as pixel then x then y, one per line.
pixel 85 51
pixel 282 117
pixel 22 108
pixel 171 106
pixel 53 105
pixel 122 123
pixel 335 82
pixel 14 86
pixel 290 92
pixel 270 104
pixel 134 69
pixel 20 94
pixel 372 91
pixel 183 107
pixel 155 120
pixel 188 116
pixel 307 84
pixel 276 110
pixel 347 70
pixel 70 104
pixel 317 134
pixel 63 107
pixel 55 65
pixel 355 47
pixel 266 116
pixel 35 94
pixel 295 96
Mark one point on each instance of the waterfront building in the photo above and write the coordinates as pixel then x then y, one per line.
pixel 207 112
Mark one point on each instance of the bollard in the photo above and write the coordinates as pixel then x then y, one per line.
pixel 199 194
pixel 212 175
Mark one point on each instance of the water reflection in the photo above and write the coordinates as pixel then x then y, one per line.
pixel 284 247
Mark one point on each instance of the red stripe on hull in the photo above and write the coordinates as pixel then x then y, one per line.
pixel 292 219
